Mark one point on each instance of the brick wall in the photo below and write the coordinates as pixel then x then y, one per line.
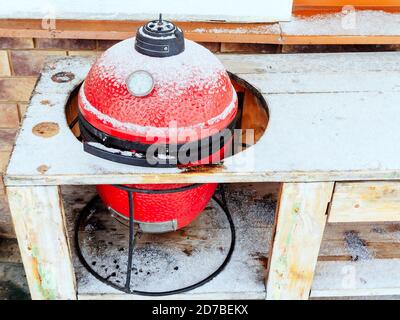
pixel 21 60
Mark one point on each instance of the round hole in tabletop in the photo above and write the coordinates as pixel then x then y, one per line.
pixel 253 113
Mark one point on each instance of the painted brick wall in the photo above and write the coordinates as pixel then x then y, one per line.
pixel 21 60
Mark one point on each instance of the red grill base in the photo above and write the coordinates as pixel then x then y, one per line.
pixel 182 207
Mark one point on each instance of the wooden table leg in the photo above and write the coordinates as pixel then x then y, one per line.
pixel 299 226
pixel 39 223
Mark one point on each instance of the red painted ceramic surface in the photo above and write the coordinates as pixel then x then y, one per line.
pixel 182 206
pixel 192 99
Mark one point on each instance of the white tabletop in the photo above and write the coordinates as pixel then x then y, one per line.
pixel 333 117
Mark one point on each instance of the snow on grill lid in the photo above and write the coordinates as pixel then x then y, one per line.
pixel 190 89
pixel 195 60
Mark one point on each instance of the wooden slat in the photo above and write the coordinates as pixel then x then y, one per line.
pixel 359 23
pixel 366 201
pixel 120 30
pixel 338 40
pixel 310 82
pixel 300 224
pixel 312 7
pixel 328 64
pixel 360 241
pixel 357 27
pixel 332 279
pixel 349 278
pixel 321 29
pixel 38 218
pixel 382 4
pixel 254 117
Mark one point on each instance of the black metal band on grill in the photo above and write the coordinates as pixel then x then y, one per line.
pixel 157 191
pixel 204 147
pixel 114 142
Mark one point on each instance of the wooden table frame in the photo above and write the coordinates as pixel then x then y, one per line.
pixel 310 25
pixel 320 95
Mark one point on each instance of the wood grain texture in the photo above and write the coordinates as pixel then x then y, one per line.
pixel 339 261
pixel 360 242
pixel 304 28
pixel 366 201
pixel 120 30
pixel 254 117
pixel 300 224
pixel 43 241
pixel 382 4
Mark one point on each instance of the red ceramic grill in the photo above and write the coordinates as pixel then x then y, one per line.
pixel 157 100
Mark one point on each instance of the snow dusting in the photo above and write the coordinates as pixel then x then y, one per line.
pixel 112 150
pixel 179 10
pixel 264 29
pixel 181 131
pixel 195 63
pixel 357 247
pixel 362 23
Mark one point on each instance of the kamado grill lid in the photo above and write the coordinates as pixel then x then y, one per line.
pixel 155 88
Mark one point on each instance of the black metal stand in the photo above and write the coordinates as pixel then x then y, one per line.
pixel 83 215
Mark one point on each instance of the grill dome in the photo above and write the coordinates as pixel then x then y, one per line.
pixel 192 97
pixel 157 88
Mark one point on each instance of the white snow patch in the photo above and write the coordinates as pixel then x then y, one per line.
pixel 172 36
pixel 194 66
pixel 362 23
pixel 179 10
pixel 148 129
pixel 113 150
pixel 265 29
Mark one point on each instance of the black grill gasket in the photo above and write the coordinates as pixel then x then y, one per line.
pixel 204 147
